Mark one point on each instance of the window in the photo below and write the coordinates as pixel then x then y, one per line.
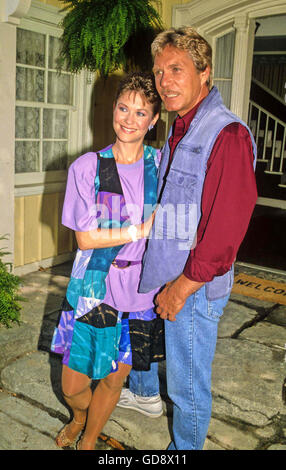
pixel 44 100
pixel 224 66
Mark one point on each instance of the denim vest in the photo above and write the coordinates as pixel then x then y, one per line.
pixel 179 194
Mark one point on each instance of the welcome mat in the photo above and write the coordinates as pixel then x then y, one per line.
pixel 262 289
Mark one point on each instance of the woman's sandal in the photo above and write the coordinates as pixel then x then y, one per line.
pixel 62 440
pixel 109 440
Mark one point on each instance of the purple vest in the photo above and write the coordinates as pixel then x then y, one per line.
pixel 179 195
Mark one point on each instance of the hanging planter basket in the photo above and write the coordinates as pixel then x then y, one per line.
pixel 106 35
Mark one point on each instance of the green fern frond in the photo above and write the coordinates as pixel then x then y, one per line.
pixel 96 32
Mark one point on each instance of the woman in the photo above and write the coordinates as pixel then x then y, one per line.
pixel 106 326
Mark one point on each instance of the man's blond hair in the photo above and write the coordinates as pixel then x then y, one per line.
pixel 186 38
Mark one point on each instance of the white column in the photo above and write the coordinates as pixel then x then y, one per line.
pixel 8 24
pixel 7 126
pixel 244 41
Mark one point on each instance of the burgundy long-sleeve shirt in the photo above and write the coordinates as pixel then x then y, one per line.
pixel 228 199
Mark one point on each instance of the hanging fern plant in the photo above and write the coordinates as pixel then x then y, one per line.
pixel 103 35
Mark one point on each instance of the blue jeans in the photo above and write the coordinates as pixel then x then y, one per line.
pixel 190 349
pixel 145 383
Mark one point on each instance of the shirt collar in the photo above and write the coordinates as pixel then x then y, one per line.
pixel 182 124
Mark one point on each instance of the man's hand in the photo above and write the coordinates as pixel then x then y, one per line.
pixel 173 297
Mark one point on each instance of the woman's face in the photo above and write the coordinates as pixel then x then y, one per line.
pixel 132 115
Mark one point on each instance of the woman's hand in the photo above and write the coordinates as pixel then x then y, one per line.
pixel 144 229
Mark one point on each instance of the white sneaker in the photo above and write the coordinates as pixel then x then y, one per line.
pixel 148 406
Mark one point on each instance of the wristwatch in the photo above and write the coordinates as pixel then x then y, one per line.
pixel 132 230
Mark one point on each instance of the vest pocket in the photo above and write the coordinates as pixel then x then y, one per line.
pixel 183 184
pixel 220 286
pixel 177 214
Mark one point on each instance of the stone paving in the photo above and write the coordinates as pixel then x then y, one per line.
pixel 249 370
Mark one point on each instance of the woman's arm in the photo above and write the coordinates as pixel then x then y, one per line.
pixel 104 238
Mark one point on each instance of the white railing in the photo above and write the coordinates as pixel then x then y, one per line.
pixel 270 136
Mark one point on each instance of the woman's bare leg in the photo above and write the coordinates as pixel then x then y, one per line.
pixel 103 402
pixel 77 394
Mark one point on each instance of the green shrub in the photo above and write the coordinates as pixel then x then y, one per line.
pixel 9 289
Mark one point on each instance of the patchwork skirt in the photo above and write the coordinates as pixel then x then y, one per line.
pixel 94 343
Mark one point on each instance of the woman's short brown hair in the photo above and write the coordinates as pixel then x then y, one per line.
pixel 143 83
pixel 187 39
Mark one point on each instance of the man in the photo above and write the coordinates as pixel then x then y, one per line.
pixel 207 167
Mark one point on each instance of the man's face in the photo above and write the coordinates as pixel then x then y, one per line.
pixel 178 82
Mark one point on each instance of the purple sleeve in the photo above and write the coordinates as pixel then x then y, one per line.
pixel 79 210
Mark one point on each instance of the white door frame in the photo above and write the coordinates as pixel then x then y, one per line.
pixel 214 18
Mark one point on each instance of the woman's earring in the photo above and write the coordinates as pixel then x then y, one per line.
pixel 150 127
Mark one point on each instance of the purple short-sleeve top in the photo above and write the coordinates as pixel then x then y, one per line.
pixel 79 214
